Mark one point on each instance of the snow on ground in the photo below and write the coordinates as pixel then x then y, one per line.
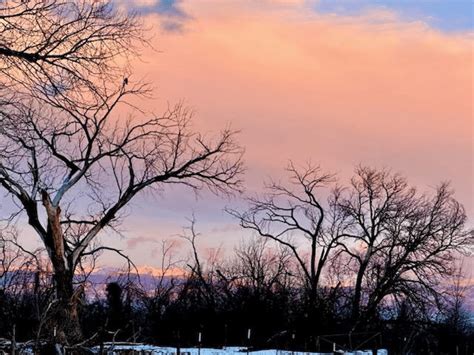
pixel 116 348
pixel 156 350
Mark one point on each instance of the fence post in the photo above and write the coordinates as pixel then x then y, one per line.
pixel 178 348
pixel 249 334
pixel 13 344
pixel 225 335
pixel 199 342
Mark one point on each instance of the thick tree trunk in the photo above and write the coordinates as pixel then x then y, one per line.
pixel 64 326
pixel 357 298
pixel 65 318
pixel 358 292
pixel 358 286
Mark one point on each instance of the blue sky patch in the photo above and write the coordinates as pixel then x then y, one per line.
pixel 170 8
pixel 446 15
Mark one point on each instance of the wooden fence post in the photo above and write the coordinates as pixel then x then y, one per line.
pixel 13 344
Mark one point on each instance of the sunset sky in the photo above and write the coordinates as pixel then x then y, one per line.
pixel 337 83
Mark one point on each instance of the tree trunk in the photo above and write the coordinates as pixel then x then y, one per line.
pixel 64 326
pixel 65 317
pixel 358 293
pixel 358 286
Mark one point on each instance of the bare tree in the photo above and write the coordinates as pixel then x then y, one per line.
pixel 17 264
pixel 203 272
pixel 67 160
pixel 64 51
pixel 401 243
pixel 456 313
pixel 263 267
pixel 166 283
pixel 299 218
pixel 25 286
pixel 170 264
pixel 394 243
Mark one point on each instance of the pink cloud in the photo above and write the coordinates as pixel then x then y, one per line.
pixel 336 90
pixel 140 241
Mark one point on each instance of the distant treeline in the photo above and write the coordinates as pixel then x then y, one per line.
pixel 373 264
pixel 255 299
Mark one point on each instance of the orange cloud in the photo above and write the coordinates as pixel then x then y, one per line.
pixel 336 90
pixel 157 272
pixel 333 89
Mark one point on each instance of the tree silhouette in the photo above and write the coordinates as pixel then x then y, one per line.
pixel 67 160
pixel 401 243
pixel 299 218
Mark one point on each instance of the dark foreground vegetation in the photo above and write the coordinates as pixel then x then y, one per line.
pixel 258 288
pixel 369 263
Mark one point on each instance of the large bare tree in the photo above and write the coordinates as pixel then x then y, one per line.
pixel 396 244
pixel 298 216
pixel 401 243
pixel 67 159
